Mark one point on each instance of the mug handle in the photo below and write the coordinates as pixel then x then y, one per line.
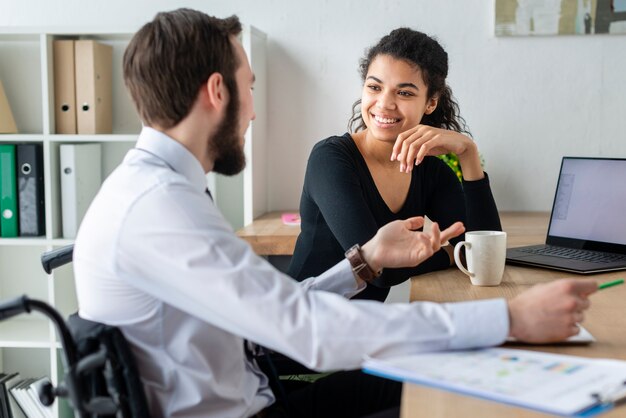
pixel 457 256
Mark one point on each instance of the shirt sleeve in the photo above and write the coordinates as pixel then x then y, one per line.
pixel 481 209
pixel 191 260
pixel 338 279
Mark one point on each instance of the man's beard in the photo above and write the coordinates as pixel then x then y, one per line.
pixel 225 143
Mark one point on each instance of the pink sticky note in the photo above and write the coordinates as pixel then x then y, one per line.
pixel 291 218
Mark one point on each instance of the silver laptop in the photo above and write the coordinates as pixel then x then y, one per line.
pixel 587 231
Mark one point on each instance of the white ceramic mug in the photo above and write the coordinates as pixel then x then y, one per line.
pixel 485 253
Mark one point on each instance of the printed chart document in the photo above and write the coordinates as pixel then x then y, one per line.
pixel 552 383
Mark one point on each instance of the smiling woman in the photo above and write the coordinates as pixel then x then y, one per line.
pixel 386 168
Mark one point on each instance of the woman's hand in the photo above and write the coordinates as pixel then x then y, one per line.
pixel 413 145
pixel 399 244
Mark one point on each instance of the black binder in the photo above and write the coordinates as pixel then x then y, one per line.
pixel 30 189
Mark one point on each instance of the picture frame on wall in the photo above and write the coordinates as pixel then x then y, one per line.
pixel 559 17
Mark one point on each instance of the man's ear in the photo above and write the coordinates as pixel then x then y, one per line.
pixel 216 93
pixel 431 105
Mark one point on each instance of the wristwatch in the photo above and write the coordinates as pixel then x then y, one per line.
pixel 359 266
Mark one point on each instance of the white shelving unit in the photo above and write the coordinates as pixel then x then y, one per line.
pixel 28 343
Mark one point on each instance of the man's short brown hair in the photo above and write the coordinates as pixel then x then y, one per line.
pixel 171 57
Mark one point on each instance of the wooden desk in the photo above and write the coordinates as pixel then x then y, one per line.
pixel 606 320
pixel 268 235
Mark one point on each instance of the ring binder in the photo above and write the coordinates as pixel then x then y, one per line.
pixel 93 87
pixel 8 192
pixel 30 189
pixel 81 177
pixel 64 86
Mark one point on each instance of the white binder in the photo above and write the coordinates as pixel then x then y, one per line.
pixel 81 177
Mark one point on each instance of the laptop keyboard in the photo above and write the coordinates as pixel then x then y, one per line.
pixel 575 254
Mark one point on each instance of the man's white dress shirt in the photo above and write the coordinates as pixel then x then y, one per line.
pixel 155 257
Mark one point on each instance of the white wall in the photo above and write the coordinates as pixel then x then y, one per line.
pixel 528 101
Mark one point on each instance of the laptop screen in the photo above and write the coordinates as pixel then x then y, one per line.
pixel 590 201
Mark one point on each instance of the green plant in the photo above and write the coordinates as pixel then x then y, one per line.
pixel 453 162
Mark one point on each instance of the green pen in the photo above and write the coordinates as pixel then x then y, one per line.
pixel 609 284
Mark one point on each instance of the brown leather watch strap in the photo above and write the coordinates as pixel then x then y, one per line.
pixel 359 266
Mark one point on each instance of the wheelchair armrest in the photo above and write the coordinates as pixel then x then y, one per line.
pixel 57 258
pixel 13 307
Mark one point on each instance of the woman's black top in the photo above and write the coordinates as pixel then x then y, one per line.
pixel 341 206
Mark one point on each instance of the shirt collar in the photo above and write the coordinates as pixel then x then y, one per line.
pixel 174 154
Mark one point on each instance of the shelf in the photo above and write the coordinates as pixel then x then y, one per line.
pixel 93 138
pixel 24 241
pixel 39 137
pixel 28 343
pixel 21 75
pixel 27 32
pixel 18 332
pixel 15 138
pixel 27 361
pixel 21 272
pixel 10 35
pixel 61 242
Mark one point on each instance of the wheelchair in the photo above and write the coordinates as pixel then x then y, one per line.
pixel 100 377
